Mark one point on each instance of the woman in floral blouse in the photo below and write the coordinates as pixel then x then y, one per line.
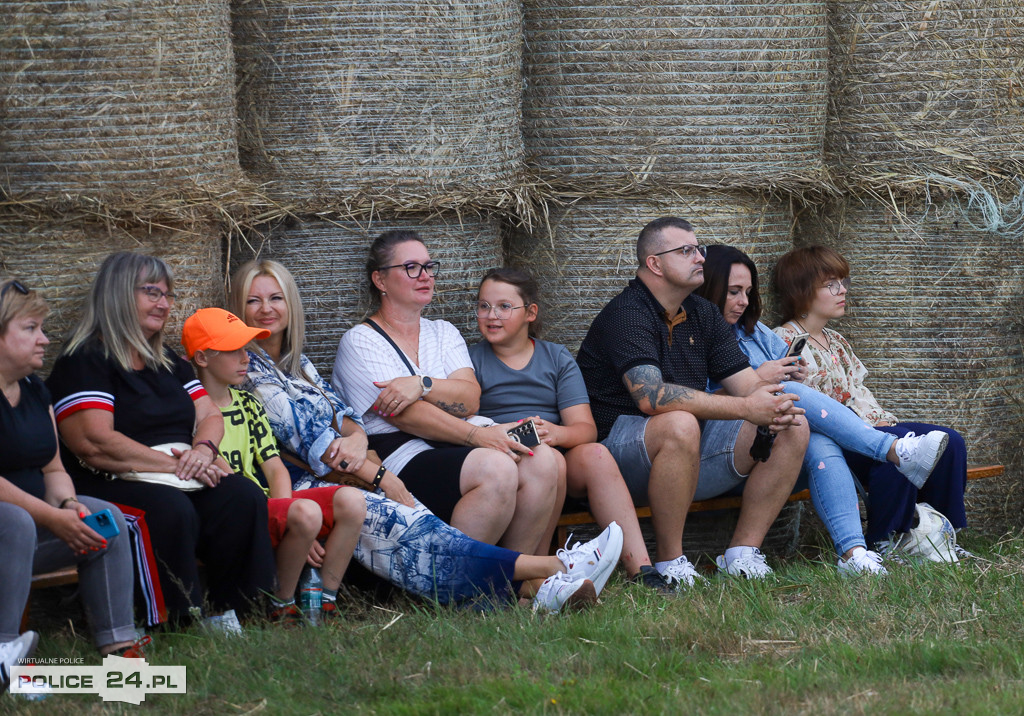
pixel 812 285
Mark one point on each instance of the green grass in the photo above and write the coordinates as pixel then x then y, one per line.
pixel 932 639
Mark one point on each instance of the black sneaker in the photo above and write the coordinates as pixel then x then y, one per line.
pixel 649 577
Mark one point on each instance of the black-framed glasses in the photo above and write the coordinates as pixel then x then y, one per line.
pixel 501 310
pixel 414 269
pixel 17 286
pixel 687 250
pixel 155 293
pixel 834 285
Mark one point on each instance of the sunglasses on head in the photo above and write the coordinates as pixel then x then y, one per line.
pixel 17 286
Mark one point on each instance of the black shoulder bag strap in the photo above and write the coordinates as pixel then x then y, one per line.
pixel 374 326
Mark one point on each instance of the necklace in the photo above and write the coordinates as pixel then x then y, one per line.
pixel 827 348
pixel 415 353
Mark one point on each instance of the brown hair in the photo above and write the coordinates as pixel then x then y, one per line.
pixel 381 251
pixel 525 285
pixel 798 274
pixel 717 267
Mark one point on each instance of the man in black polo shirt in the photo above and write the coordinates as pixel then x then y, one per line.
pixel 646 361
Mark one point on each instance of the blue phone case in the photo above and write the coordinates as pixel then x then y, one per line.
pixel 103 523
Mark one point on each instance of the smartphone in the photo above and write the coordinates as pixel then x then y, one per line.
pixel 797 346
pixel 525 433
pixel 103 523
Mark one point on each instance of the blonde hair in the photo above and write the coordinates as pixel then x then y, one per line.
pixel 14 303
pixel 294 336
pixel 111 314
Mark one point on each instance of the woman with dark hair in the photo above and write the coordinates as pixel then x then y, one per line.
pixel 127 404
pixel 411 380
pixel 42 520
pixel 812 284
pixel 731 283
pixel 401 540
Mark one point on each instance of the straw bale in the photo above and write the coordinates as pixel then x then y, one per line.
pixel 589 253
pixel 675 93
pixel 60 259
pixel 415 105
pixel 935 315
pixel 921 88
pixel 105 98
pixel 328 260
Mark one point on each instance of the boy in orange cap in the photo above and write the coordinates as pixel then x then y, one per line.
pixel 215 341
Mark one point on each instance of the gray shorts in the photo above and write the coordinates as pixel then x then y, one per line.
pixel 717 468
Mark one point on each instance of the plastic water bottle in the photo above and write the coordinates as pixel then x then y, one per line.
pixel 311 594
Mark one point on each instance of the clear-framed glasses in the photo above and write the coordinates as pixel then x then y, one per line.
pixel 834 285
pixel 687 250
pixel 501 310
pixel 155 293
pixel 414 269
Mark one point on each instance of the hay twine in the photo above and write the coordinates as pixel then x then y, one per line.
pixel 587 254
pixel 675 94
pixel 925 88
pixel 60 259
pixel 117 100
pixel 328 257
pixel 402 105
pixel 935 313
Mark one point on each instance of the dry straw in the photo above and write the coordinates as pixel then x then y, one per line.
pixel 117 99
pixel 328 259
pixel 411 105
pixel 925 87
pixel 588 254
pixel 673 93
pixel 935 315
pixel 59 258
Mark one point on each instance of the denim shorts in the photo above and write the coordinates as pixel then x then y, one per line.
pixel 717 468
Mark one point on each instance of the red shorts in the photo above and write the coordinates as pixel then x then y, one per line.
pixel 278 509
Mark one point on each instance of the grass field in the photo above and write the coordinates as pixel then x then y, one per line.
pixel 931 639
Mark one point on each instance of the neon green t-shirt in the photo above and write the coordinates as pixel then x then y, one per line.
pixel 248 440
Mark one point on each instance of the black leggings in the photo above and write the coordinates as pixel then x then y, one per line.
pixel 433 477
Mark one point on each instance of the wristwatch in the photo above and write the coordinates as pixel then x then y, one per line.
pixel 426 383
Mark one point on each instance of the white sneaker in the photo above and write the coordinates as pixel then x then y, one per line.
pixel 10 651
pixel 750 564
pixel 680 573
pixel 560 590
pixel 594 560
pixel 862 561
pixel 918 455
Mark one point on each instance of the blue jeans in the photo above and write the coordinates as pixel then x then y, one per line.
pixel 833 492
pixel 832 418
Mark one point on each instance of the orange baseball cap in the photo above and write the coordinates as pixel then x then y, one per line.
pixel 219 330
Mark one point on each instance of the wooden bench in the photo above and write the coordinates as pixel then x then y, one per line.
pixel 572 519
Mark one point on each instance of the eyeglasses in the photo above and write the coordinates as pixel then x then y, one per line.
pixel 17 286
pixel 501 310
pixel 155 293
pixel 687 250
pixel 834 284
pixel 413 269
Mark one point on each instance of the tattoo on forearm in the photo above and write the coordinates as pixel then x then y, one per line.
pixel 456 409
pixel 646 383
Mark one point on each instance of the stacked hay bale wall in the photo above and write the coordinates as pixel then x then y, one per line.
pixel 589 254
pixel 935 315
pixel 117 100
pixel 386 103
pixel 328 259
pixel 60 259
pixel 922 88
pixel 675 93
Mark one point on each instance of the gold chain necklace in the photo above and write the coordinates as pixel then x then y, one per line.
pixel 414 353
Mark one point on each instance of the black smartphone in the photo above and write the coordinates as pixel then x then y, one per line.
pixel 525 433
pixel 103 524
pixel 797 346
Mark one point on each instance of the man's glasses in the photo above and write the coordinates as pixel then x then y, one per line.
pixel 834 285
pixel 686 250
pixel 413 269
pixel 17 286
pixel 155 293
pixel 501 310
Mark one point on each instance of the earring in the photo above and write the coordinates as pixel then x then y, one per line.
pixel 383 293
pixel 803 315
